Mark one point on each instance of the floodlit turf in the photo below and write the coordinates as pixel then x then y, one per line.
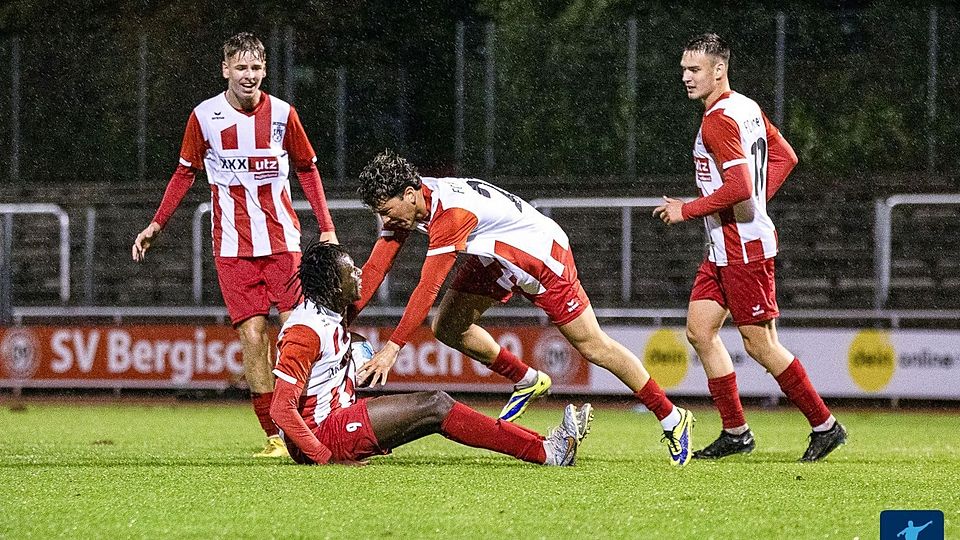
pixel 185 471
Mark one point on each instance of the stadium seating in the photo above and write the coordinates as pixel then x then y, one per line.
pixel 826 258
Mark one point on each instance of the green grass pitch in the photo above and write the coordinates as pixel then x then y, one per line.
pixel 186 471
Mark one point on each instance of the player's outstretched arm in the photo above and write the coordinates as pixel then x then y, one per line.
pixel 304 160
pixel 380 262
pixel 432 276
pixel 144 241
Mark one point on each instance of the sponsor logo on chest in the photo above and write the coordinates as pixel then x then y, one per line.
pixel 702 167
pixel 262 166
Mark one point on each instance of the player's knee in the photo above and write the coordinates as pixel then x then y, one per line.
pixel 756 348
pixel 253 331
pixel 437 404
pixel 599 350
pixel 252 335
pixel 698 337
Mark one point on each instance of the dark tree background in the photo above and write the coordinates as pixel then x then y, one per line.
pixel 855 86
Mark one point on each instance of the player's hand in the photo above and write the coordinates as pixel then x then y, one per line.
pixel 670 211
pixel 377 368
pixel 144 240
pixel 329 236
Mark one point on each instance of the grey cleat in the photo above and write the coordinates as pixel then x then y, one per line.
pixel 584 417
pixel 561 444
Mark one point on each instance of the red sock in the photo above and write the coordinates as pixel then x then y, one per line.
pixel 508 365
pixel 466 426
pixel 653 398
pixel 797 387
pixel 726 398
pixel 261 406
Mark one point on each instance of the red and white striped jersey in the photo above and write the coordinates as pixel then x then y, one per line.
pixel 329 377
pixel 247 157
pixel 478 218
pixel 735 131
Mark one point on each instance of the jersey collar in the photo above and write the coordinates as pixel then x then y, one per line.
pixel 722 97
pixel 324 311
pixel 428 201
pixel 263 99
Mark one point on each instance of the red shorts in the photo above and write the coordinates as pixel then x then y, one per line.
pixel 749 290
pixel 349 435
pixel 563 301
pixel 250 285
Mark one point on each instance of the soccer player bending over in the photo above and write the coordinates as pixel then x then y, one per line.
pixel 741 160
pixel 321 419
pixel 510 247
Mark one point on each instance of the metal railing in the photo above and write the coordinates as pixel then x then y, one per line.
pixel 8 210
pixel 626 205
pixel 883 237
pixel 882 259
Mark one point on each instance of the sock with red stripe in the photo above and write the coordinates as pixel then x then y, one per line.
pixel 726 398
pixel 653 398
pixel 508 365
pixel 467 426
pixel 261 406
pixel 799 390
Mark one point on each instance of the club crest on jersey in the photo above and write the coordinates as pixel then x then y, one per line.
pixel 279 128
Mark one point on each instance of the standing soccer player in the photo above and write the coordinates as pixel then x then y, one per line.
pixel 510 247
pixel 740 160
pixel 323 421
pixel 246 140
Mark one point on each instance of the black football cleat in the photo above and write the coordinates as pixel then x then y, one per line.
pixel 824 442
pixel 728 444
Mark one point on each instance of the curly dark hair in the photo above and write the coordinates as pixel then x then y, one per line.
pixel 710 44
pixel 319 274
pixel 385 178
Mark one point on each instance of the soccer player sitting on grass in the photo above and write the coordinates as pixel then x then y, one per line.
pixel 322 421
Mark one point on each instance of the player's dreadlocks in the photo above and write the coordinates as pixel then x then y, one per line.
pixel 319 274
pixel 386 177
pixel 244 42
pixel 710 44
